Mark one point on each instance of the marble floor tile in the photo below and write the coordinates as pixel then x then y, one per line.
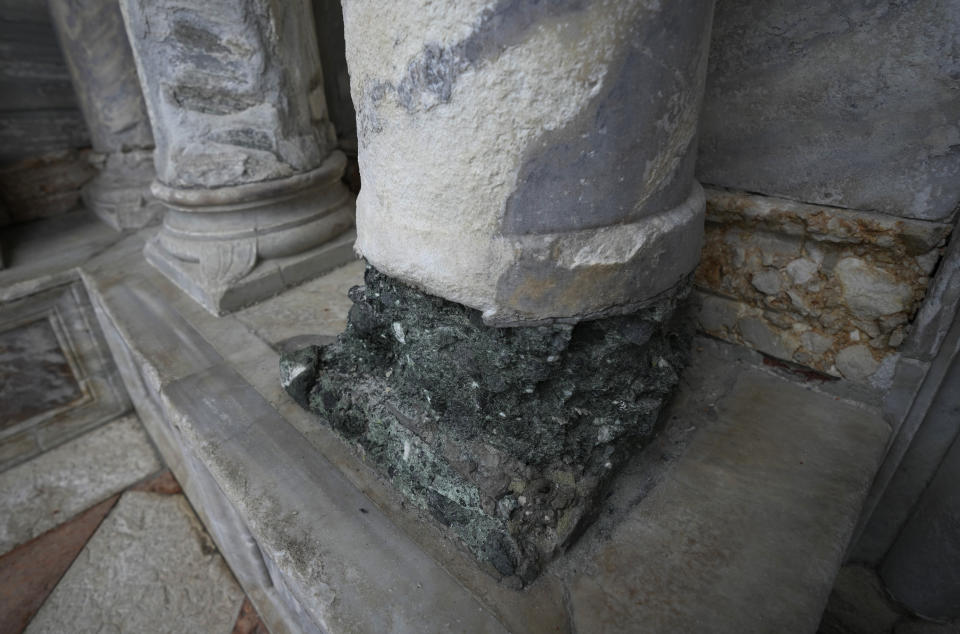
pixel 248 622
pixel 29 573
pixel 150 567
pixel 163 482
pixel 41 493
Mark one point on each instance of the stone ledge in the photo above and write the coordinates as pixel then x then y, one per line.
pixel 737 518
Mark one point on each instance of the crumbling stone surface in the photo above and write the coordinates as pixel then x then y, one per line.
pixel 829 288
pixel 505 435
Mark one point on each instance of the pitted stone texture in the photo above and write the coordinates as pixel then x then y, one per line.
pixel 828 288
pixel 506 436
pixel 150 567
pixel 29 574
pixel 531 160
pixel 226 109
pixel 58 484
pixel 851 104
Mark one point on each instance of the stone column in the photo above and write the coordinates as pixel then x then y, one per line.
pixel 533 160
pixel 245 159
pixel 523 164
pixel 94 43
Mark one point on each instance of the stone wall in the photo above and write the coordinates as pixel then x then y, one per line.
pixel 849 103
pixel 852 108
pixel 41 126
pixel 38 107
pixel 828 288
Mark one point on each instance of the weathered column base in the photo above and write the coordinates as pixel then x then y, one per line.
pixel 231 247
pixel 507 436
pixel 120 194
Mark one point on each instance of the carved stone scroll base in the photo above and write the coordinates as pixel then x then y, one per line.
pixel 265 279
pixel 234 246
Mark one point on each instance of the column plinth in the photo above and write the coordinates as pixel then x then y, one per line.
pixel 95 45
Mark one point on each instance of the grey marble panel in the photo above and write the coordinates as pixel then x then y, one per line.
pixel 57 379
pixel 35 376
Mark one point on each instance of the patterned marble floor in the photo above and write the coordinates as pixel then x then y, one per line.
pixel 97 537
pixel 95 534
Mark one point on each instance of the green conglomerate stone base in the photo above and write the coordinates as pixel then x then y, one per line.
pixel 507 436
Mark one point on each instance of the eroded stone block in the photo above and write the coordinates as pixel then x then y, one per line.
pixel 505 435
pixel 828 288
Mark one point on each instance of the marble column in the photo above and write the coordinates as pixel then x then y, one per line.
pixel 533 160
pixel 245 158
pixel 94 43
pixel 531 219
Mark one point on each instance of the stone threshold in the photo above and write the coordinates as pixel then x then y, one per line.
pixel 735 519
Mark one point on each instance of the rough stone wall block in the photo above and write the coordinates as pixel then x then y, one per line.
pixel 832 289
pixel 245 159
pixel 97 51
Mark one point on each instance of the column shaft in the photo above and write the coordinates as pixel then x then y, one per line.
pixel 526 164
pixel 95 45
pixel 531 160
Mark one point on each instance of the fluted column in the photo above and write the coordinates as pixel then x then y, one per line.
pixel 245 158
pixel 94 43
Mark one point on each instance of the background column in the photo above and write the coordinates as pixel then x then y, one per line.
pixel 94 43
pixel 245 158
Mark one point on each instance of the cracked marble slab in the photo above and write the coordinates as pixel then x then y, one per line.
pixel 150 567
